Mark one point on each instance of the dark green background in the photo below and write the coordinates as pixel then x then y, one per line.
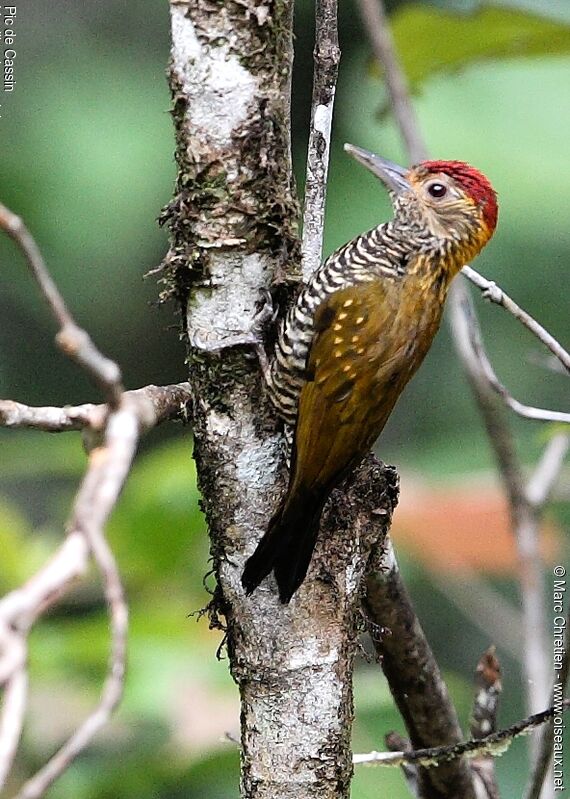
pixel 86 158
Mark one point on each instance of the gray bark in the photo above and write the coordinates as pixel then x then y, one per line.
pixel 326 56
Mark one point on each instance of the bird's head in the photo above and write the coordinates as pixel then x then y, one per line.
pixel 447 206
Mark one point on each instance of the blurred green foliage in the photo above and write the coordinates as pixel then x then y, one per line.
pixel 430 41
pixel 86 159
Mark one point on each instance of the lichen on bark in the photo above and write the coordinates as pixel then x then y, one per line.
pixel 230 106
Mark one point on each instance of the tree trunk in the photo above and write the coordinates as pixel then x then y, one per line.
pixel 233 233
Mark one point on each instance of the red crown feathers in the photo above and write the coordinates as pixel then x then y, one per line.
pixel 473 183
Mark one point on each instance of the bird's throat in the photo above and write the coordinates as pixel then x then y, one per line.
pixel 429 277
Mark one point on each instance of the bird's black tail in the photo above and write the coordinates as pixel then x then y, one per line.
pixel 287 546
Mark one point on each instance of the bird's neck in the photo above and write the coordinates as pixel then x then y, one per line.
pixel 429 255
pixel 396 250
pixel 377 253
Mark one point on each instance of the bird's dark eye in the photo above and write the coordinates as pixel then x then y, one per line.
pixel 437 190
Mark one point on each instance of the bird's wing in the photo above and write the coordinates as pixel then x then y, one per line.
pixel 347 396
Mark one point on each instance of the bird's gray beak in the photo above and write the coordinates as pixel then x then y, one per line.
pixel 392 175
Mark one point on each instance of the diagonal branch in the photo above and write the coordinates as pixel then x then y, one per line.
pixel 73 340
pixel 414 676
pixel 377 29
pixel 493 745
pixel 524 519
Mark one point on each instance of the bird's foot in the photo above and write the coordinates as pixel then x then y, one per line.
pixel 493 293
pixel 202 340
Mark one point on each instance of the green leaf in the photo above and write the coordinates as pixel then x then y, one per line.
pixel 553 9
pixel 430 40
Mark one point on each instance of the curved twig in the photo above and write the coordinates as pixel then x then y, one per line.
pixel 473 330
pixel 495 294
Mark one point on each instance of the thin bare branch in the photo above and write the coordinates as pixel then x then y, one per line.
pixel 523 519
pixel 71 339
pixel 484 365
pixel 165 403
pixel 495 294
pixel 493 745
pixel 545 476
pixel 14 700
pixel 49 419
pixel 326 59
pixel 21 607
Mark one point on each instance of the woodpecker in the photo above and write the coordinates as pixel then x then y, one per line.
pixel 357 333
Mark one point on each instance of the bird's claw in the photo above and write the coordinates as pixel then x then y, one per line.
pixel 266 313
pixel 493 293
